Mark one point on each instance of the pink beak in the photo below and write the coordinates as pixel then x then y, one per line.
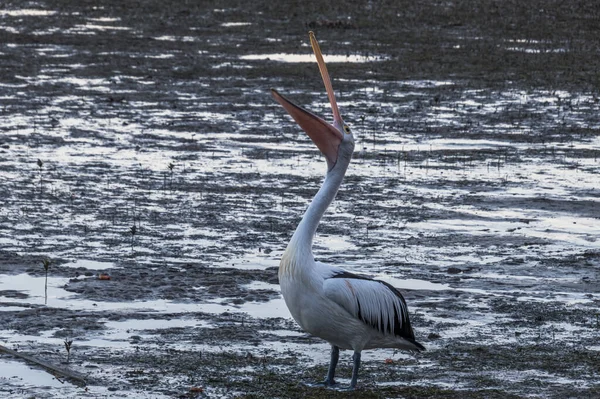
pixel 325 136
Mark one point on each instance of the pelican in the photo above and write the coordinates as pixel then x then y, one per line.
pixel 349 311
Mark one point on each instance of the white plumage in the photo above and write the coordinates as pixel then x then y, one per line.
pixel 347 310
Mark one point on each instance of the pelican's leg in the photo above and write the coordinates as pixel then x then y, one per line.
pixel 356 358
pixel 335 355
pixel 330 379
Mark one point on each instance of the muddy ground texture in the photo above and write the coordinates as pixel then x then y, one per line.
pixel 137 136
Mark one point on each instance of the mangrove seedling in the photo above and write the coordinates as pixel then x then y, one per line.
pixel 46 263
pixel 40 163
pixel 68 348
pixel 171 166
pixel 132 230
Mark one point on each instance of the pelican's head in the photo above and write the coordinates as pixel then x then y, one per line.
pixel 334 140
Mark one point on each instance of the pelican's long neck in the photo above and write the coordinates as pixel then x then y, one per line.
pixel 303 237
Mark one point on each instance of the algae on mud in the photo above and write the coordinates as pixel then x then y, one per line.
pixel 477 171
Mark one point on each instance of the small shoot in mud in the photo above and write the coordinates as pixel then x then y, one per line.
pixel 68 344
pixel 171 166
pixel 46 262
pixel 132 230
pixel 40 164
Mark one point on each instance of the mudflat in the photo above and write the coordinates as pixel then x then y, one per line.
pixel 141 153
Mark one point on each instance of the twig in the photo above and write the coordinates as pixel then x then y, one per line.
pixel 74 377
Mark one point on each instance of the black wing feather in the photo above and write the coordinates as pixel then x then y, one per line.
pixel 401 327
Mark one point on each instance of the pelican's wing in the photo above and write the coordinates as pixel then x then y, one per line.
pixel 374 302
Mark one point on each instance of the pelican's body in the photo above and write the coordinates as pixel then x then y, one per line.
pixel 347 310
pixel 324 302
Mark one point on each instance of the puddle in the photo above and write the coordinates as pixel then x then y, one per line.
pixel 95 27
pixel 411 283
pixel 235 24
pixel 334 243
pixel 261 285
pixel 27 12
pixel 250 262
pixel 33 287
pixel 530 50
pixel 295 58
pixel 18 373
pixel 58 297
pixel 90 264
pixel 176 38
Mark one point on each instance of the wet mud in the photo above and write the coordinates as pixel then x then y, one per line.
pixel 141 153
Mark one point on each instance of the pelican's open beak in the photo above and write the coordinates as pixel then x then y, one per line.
pixel 325 136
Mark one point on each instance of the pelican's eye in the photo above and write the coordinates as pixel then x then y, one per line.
pixel 346 129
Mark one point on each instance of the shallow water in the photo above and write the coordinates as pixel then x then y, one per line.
pixel 480 202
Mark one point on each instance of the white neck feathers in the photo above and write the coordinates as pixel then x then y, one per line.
pixel 302 239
